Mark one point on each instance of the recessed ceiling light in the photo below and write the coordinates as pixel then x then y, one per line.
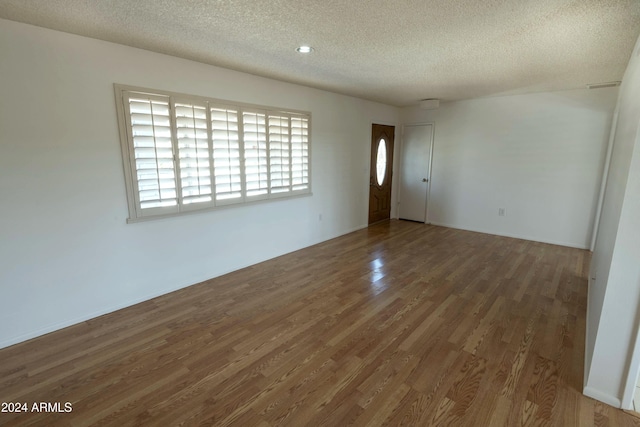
pixel 304 49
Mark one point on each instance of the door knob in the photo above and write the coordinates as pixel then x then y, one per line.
pixel 425 180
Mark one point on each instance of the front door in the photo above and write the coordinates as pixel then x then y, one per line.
pixel 380 172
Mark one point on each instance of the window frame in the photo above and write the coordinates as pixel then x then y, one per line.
pixel 137 213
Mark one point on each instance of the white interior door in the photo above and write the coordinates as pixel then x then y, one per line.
pixel 415 171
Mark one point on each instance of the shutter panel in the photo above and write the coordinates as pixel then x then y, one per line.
pixel 194 155
pixel 279 161
pixel 152 151
pixel 299 153
pixel 226 154
pixel 256 170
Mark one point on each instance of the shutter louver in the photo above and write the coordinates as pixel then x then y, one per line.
pixel 299 153
pixel 256 169
pixel 152 151
pixel 193 153
pixel 279 160
pixel 226 154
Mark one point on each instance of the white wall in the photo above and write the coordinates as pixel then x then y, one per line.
pixel 539 155
pixel 66 253
pixel 614 295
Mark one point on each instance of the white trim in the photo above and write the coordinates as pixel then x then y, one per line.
pixel 252 200
pixel 513 236
pixel 605 177
pixel 602 397
pixel 633 371
pixel 586 368
pixel 124 146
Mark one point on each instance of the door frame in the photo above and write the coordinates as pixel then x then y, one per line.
pixel 433 128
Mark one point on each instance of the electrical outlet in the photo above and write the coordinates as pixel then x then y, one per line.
pixel 502 212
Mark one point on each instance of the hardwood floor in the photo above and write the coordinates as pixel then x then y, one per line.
pixel 397 324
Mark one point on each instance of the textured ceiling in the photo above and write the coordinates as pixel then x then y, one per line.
pixel 396 52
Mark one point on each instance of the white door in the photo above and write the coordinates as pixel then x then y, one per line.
pixel 415 171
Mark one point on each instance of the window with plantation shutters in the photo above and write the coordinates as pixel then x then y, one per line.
pixel 183 153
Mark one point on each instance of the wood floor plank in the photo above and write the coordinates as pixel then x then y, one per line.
pixel 399 324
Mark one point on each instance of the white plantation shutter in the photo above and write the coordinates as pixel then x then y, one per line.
pixel 279 154
pixel 299 153
pixel 152 151
pixel 226 153
pixel 183 153
pixel 194 152
pixel 256 168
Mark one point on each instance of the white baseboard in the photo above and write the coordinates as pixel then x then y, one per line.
pixel 75 320
pixel 602 397
pixel 587 341
pixel 514 236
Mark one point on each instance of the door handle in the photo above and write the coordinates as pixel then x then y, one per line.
pixel 425 180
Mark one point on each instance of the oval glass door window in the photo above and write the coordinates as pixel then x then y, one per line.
pixel 381 161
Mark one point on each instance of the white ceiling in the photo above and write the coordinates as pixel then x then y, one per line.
pixel 396 52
